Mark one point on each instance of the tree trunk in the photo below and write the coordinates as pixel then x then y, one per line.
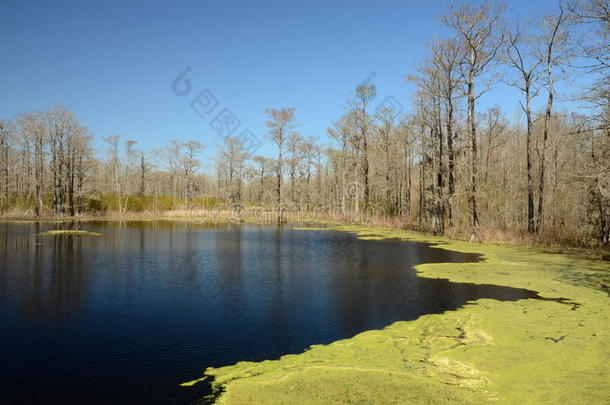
pixel 474 218
pixel 451 160
pixel 545 136
pixel 531 225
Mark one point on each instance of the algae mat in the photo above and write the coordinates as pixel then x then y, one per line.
pixel 528 351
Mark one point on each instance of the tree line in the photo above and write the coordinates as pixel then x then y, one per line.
pixel 448 163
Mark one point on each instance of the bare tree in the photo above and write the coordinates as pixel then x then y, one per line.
pixel 115 164
pixel 520 56
pixel 385 130
pixel 555 38
pixel 232 157
pixel 407 142
pixel 281 126
pixel 364 94
pixel 66 134
pixel 309 150
pixel 190 164
pixel 428 99
pixel 479 29
pixel 446 58
pixel 344 133
pixel 4 155
pixel 262 163
pixel 144 170
pixel 294 149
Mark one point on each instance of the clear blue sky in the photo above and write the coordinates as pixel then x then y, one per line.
pixel 112 62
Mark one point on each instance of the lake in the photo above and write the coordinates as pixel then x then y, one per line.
pixel 127 316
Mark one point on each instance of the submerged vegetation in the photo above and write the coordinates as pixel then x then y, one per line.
pixel 531 351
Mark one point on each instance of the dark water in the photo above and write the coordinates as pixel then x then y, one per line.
pixel 126 317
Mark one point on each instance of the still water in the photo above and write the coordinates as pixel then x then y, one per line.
pixel 127 316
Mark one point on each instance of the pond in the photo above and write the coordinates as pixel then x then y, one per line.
pixel 127 316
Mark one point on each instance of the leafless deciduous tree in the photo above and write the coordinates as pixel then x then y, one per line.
pixel 281 127
pixel 480 32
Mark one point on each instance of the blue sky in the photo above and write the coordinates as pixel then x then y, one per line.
pixel 113 62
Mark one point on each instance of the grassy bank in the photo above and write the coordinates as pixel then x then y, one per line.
pixel 529 351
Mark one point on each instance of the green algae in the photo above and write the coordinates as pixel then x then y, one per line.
pixel 70 232
pixel 193 382
pixel 528 351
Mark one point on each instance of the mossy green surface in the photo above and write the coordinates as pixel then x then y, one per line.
pixel 528 351
pixel 72 232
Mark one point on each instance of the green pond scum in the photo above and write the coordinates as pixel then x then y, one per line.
pixel 69 232
pixel 528 351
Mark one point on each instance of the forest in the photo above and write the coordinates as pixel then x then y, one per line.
pixel 450 165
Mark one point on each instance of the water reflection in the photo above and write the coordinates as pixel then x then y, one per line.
pixel 127 316
pixel 43 282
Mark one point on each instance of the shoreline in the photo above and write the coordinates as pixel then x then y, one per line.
pixel 316 222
